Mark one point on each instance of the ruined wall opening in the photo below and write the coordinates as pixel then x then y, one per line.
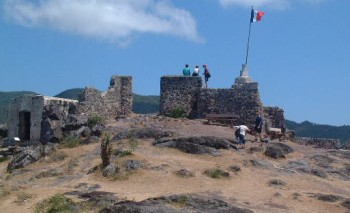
pixel 24 125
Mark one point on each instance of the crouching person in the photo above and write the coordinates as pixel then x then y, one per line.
pixel 242 132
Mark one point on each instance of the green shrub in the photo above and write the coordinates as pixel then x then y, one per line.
pixel 70 142
pixel 133 144
pixel 57 203
pixel 3 158
pixel 216 173
pixel 178 112
pixel 125 153
pixel 106 151
pixel 95 120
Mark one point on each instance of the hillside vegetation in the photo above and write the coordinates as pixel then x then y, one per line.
pixel 150 105
pixel 308 129
pixel 70 93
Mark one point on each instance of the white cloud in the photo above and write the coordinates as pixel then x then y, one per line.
pixel 114 20
pixel 274 4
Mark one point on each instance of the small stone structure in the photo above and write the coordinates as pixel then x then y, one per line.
pixel 46 119
pixel 242 99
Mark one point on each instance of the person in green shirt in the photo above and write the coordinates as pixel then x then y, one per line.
pixel 186 71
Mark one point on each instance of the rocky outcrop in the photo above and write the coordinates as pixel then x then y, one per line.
pixel 322 143
pixel 143 133
pixel 277 150
pixel 28 155
pixel 197 145
pixel 176 204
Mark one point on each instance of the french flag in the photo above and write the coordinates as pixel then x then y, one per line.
pixel 256 16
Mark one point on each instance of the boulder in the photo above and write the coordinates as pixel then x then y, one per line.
pixel 97 130
pixel 318 172
pixel 346 203
pixel 74 122
pixel 25 156
pixel 184 173
pixel 3 131
pixel 132 165
pixel 274 152
pixel 197 145
pixel 143 133
pixel 278 150
pixel 175 204
pixel 110 170
pixel 51 131
pixel 276 182
pixel 29 155
pixel 297 166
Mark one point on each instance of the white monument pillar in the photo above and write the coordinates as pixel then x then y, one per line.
pixel 244 76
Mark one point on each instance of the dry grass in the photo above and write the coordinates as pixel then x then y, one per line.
pixel 248 188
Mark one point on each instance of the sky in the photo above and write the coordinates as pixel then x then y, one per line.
pixel 299 51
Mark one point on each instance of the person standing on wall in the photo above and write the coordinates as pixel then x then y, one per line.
pixel 186 71
pixel 206 75
pixel 242 132
pixel 195 71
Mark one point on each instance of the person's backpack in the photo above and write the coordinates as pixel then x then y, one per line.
pixel 237 132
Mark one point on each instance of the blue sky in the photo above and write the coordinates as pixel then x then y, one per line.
pixel 299 52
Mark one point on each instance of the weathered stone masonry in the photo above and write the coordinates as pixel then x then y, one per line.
pixel 179 91
pixel 242 100
pixel 47 119
pixel 117 100
pixel 29 116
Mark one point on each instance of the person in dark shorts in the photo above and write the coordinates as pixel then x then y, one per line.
pixel 283 132
pixel 258 127
pixel 206 74
pixel 242 132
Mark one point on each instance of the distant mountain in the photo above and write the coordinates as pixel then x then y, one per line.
pixel 308 129
pixel 6 97
pixel 70 93
pixel 145 104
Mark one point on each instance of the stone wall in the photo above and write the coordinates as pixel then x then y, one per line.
pixel 241 100
pixel 55 115
pixel 323 143
pixel 48 119
pixel 31 104
pixel 179 91
pixel 274 116
pixel 116 101
pixel 37 108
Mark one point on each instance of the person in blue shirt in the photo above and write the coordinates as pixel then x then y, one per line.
pixel 186 71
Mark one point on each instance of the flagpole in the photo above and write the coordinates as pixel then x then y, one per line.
pixel 250 26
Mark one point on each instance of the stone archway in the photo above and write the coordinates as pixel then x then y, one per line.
pixel 24 125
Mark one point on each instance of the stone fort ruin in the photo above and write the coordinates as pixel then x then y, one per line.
pixel 48 119
pixel 243 100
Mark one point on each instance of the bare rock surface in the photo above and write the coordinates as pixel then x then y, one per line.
pixel 197 145
pixel 176 204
